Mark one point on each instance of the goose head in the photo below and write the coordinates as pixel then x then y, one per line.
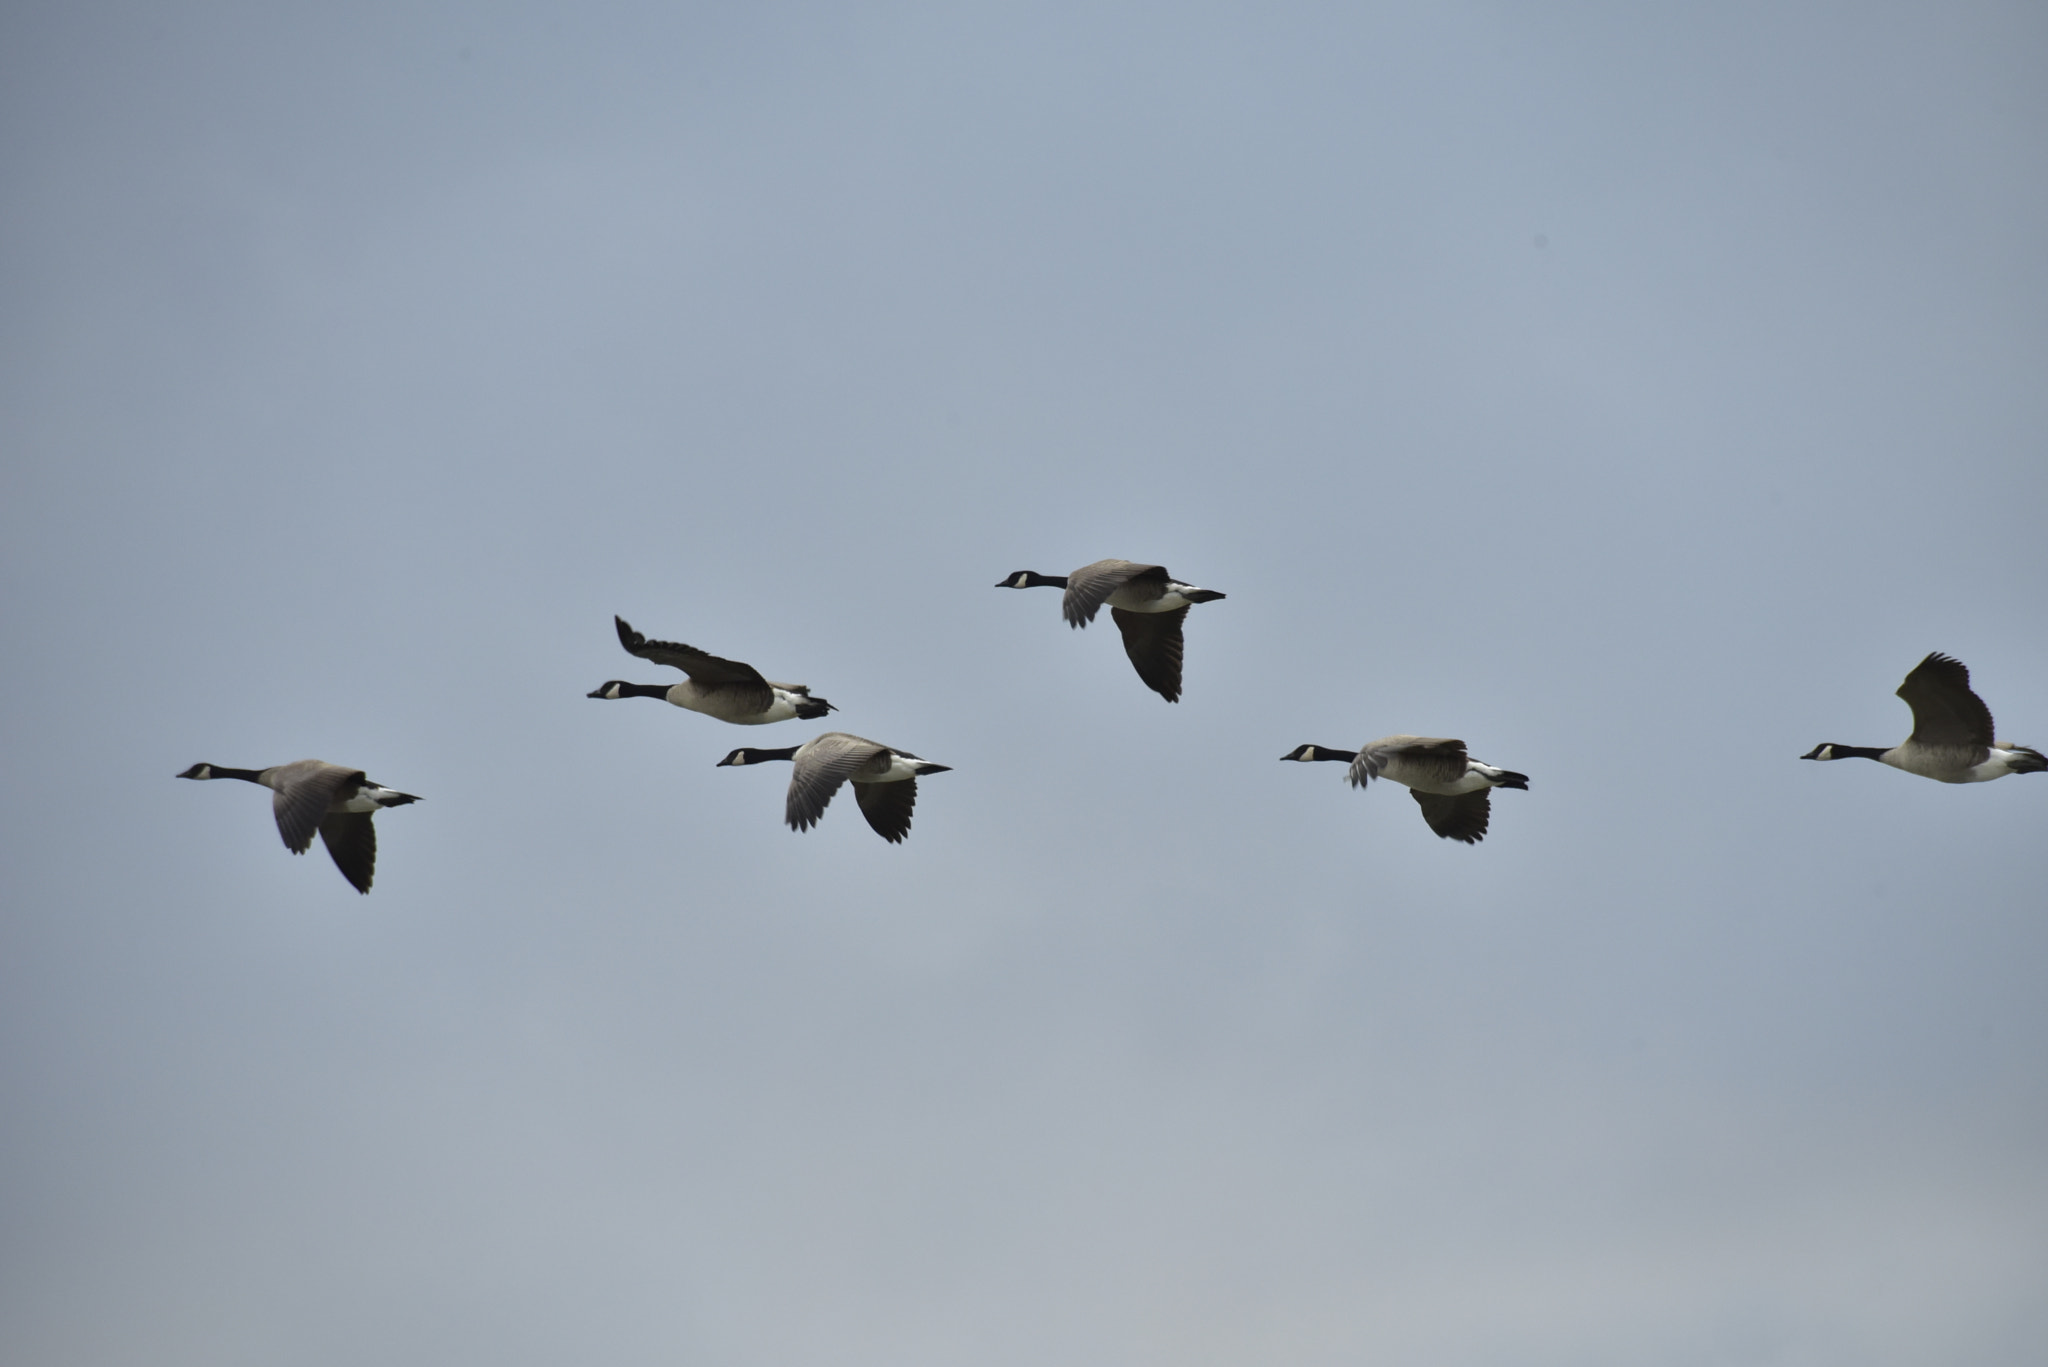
pixel 747 754
pixel 1309 753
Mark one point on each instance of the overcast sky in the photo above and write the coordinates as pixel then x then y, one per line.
pixel 1636 392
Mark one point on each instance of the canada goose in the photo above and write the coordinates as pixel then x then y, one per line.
pixel 313 795
pixel 1453 789
pixel 725 689
pixel 1147 603
pixel 1952 734
pixel 884 780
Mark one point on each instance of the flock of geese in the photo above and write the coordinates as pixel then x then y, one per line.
pixel 1952 739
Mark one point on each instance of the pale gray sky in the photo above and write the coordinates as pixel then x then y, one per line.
pixel 1636 392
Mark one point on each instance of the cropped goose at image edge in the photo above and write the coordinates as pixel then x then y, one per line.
pixel 1952 740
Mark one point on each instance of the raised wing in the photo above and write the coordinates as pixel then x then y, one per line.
pixel 1088 586
pixel 705 668
pixel 352 841
pixel 1945 711
pixel 305 789
pixel 1462 817
pixel 821 766
pixel 887 807
pixel 1153 641
pixel 1426 759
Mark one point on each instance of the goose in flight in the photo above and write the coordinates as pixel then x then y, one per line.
pixel 884 780
pixel 1952 733
pixel 1147 604
pixel 313 795
pixel 725 689
pixel 1453 789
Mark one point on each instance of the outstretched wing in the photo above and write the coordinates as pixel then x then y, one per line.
pixel 821 766
pixel 1428 759
pixel 352 841
pixel 1945 711
pixel 887 807
pixel 700 665
pixel 1153 641
pixel 305 789
pixel 1088 586
pixel 1462 817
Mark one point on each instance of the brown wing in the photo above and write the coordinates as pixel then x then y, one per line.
pixel 1462 817
pixel 1945 711
pixel 305 789
pixel 1426 759
pixel 1153 641
pixel 742 682
pixel 1088 586
pixel 887 807
pixel 822 764
pixel 352 841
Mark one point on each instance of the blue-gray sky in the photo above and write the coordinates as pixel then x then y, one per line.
pixel 1635 392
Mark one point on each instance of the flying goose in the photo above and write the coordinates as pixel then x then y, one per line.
pixel 1952 734
pixel 1147 603
pixel 313 795
pixel 884 780
pixel 725 689
pixel 1453 789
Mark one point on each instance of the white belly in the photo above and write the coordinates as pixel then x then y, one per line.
pixel 899 768
pixel 1998 766
pixel 1170 601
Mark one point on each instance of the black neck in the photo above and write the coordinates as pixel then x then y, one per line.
pixel 1034 580
pixel 631 690
pixel 756 756
pixel 1325 752
pixel 246 775
pixel 1856 751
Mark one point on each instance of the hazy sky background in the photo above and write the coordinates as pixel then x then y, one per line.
pixel 1636 392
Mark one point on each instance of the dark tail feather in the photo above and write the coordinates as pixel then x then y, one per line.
pixel 1510 779
pixel 1201 595
pixel 810 709
pixel 2029 760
